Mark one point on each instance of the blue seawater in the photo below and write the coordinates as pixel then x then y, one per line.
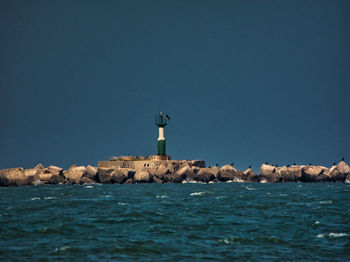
pixel 176 222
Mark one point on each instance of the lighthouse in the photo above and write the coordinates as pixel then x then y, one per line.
pixel 161 122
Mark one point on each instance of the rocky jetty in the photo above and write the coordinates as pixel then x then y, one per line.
pixel 170 171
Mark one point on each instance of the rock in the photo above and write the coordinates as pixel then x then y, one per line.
pixel 347 179
pixel 74 174
pixel 226 173
pixel 157 180
pixel 214 170
pixel 269 174
pixel 250 176
pixel 51 175
pixel 204 175
pixel 54 170
pixel 340 172
pixel 118 176
pixel 15 177
pixel 142 177
pixel 159 172
pixel 310 173
pixel 91 173
pixel 128 181
pixel 187 173
pixel 290 174
pixel 86 180
pixel 239 177
pixel 104 175
pixel 173 178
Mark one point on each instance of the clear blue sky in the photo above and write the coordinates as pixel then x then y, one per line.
pixel 243 81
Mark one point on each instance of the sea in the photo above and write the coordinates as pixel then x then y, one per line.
pixel 176 222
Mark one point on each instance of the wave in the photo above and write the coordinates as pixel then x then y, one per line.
pixel 197 193
pixel 332 235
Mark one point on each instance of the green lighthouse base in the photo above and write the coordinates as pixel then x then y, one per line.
pixel 161 147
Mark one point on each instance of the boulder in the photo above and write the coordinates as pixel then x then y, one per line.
pixel 250 176
pixel 74 174
pixel 214 170
pixel 226 173
pixel 51 175
pixel 187 173
pixel 86 180
pixel 347 179
pixel 290 174
pixel 15 177
pixel 91 173
pixel 142 177
pixel 340 172
pixel 310 173
pixel 239 177
pixel 204 175
pixel 159 172
pixel 104 175
pixel 269 174
pixel 119 176
pixel 173 178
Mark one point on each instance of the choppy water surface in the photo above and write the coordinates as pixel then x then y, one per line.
pixel 222 221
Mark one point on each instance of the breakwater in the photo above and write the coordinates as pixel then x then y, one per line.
pixel 170 171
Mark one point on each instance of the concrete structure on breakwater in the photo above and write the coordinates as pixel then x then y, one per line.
pixel 155 161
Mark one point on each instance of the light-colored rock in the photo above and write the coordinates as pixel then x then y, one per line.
pixel 142 177
pixel 250 176
pixel 227 173
pixel 204 175
pixel 340 172
pixel 74 174
pixel 104 175
pixel 290 174
pixel 15 177
pixel 310 173
pixel 91 173
pixel 269 174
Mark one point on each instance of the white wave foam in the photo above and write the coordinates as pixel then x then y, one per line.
pixel 50 197
pixel 317 222
pixel 62 248
pixel 326 202
pixel 122 204
pixel 197 193
pixel 35 198
pixel 162 196
pixel 250 188
pixel 283 195
pixel 332 235
pixel 89 187
pixel 229 181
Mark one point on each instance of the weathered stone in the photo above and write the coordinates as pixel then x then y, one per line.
pixel 118 176
pixel 51 175
pixel 340 172
pixel 54 170
pixel 310 173
pixel 159 172
pixel 142 177
pixel 290 174
pixel 214 170
pixel 157 180
pixel 173 178
pixel 86 180
pixel 104 175
pixel 128 181
pixel 227 173
pixel 15 177
pixel 347 179
pixel 269 174
pixel 188 173
pixel 250 176
pixel 204 175
pixel 239 177
pixel 74 174
pixel 91 173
